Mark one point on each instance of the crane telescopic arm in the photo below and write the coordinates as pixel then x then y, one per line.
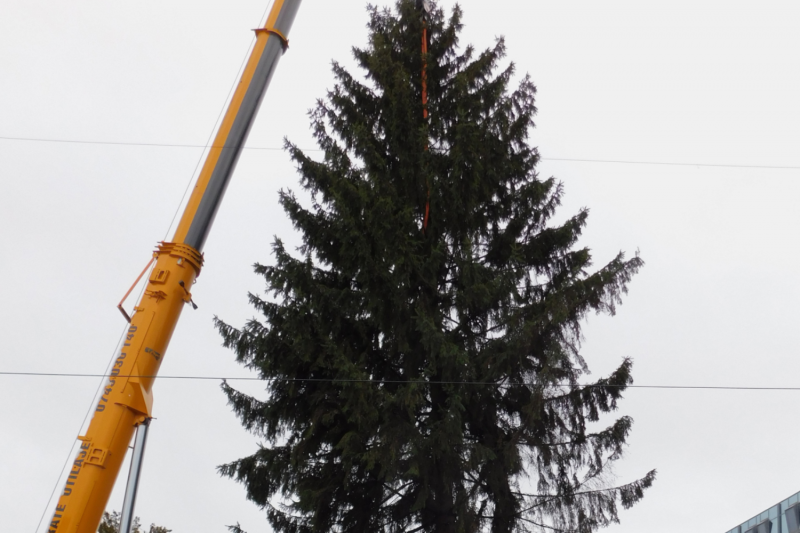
pixel 127 397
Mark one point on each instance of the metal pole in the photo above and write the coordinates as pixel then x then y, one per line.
pixel 126 521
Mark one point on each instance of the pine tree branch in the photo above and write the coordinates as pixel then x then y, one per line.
pixel 559 530
pixel 395 492
pixel 553 497
pixel 559 496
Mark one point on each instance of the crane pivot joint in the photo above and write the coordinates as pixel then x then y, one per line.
pixel 277 33
pixel 183 252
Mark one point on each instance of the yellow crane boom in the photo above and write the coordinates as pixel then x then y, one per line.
pixel 127 397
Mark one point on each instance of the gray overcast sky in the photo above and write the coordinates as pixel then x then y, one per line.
pixel 704 82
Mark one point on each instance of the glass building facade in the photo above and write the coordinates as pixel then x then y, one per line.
pixel 783 517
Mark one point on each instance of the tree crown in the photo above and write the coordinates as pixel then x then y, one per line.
pixel 423 371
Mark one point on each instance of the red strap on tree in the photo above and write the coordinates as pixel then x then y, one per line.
pixel 425 116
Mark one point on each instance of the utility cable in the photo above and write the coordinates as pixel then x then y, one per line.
pixel 667 163
pixel 275 148
pixel 399 381
pixel 70 454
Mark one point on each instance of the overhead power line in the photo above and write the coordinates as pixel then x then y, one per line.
pixel 398 381
pixel 276 148
pixel 116 143
pixel 667 163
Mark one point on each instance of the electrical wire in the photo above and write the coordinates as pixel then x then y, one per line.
pixel 397 381
pixel 274 148
pixel 71 452
pixel 114 143
pixel 667 163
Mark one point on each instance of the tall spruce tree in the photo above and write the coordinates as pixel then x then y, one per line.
pixel 423 371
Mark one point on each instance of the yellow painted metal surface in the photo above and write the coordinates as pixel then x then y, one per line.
pixel 225 128
pixel 127 395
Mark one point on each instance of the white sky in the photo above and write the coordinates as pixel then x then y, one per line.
pixel 704 82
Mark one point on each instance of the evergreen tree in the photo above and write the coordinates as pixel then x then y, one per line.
pixel 424 371
pixel 111 522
